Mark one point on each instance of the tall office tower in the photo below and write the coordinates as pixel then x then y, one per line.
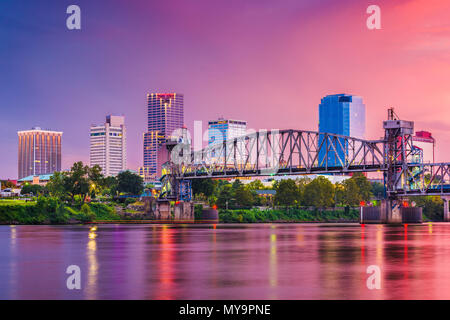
pixel 225 129
pixel 109 145
pixel 341 114
pixel 165 115
pixel 39 152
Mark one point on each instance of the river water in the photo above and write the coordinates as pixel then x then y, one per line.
pixel 239 261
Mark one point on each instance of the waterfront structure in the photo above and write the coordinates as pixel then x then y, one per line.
pixel 165 116
pixel 39 152
pixel 341 114
pixel 424 144
pixel 109 145
pixel 224 129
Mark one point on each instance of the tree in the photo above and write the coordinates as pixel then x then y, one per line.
pixel 33 189
pixel 96 180
pixel 203 186
pixel 225 197
pixel 236 184
pixel 352 195
pixel 57 185
pixel 288 193
pixel 77 181
pixel 129 183
pixel 243 196
pixel 110 185
pixel 377 189
pixel 319 193
pixel 255 185
pixel 433 207
pixel 364 186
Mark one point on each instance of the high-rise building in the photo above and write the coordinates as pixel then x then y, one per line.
pixel 39 152
pixel 109 145
pixel 341 114
pixel 224 129
pixel 165 115
pixel 424 144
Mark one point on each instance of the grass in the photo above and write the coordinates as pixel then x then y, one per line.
pixel 12 202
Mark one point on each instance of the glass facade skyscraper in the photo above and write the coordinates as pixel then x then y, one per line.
pixel 341 114
pixel 165 114
pixel 39 152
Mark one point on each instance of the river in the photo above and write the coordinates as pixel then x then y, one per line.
pixel 235 261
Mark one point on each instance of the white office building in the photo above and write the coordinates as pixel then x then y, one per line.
pixel 108 145
pixel 225 129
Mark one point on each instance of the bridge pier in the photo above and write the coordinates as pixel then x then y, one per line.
pixel 446 200
pixel 391 212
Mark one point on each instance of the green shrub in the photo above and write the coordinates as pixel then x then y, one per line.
pixel 86 214
pixel 198 211
pixel 60 215
pixel 130 201
pixel 104 212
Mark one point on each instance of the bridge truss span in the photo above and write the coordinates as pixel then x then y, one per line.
pixel 426 179
pixel 282 152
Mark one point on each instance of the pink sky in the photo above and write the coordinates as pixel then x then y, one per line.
pixel 267 62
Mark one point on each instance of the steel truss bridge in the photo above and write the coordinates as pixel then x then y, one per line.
pixel 299 152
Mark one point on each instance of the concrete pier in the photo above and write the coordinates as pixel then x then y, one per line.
pixel 391 212
pixel 446 200
pixel 168 210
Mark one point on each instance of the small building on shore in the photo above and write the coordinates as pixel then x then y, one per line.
pixel 41 180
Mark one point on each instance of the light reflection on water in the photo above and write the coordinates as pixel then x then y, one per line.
pixel 257 261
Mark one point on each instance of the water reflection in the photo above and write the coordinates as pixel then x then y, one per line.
pixel 166 265
pixel 279 261
pixel 91 252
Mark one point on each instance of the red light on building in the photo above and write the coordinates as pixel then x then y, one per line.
pixel 362 203
pixel 405 204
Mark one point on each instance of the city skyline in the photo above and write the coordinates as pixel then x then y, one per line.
pixel 392 66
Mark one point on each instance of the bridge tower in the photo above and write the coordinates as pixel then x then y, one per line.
pixel 397 150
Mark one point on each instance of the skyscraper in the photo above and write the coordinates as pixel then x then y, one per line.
pixel 109 145
pixel 165 114
pixel 224 129
pixel 39 152
pixel 341 114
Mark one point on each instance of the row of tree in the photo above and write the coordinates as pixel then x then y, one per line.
pixel 83 181
pixel 318 193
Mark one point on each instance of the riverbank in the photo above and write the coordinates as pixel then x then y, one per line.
pixel 289 215
pixel 48 211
